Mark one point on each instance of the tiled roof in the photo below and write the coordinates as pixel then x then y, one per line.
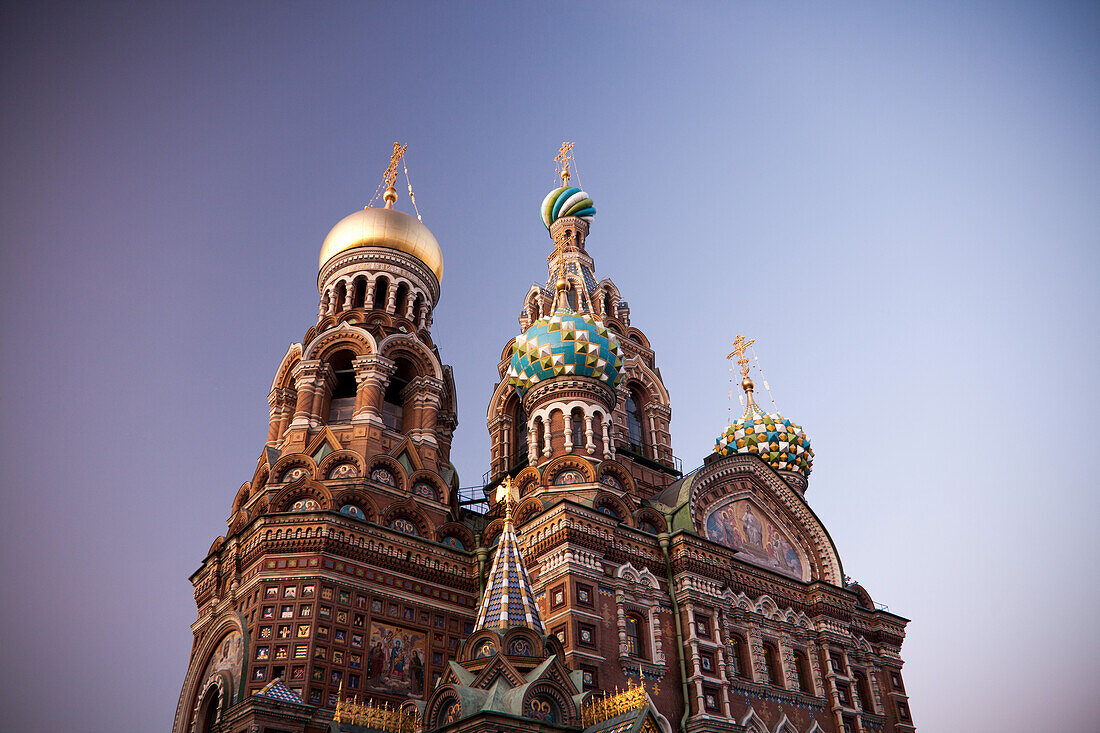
pixel 276 690
pixel 508 600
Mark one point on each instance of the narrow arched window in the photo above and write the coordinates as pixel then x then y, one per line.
pixel 737 647
pixel 401 302
pixel 393 402
pixel 771 663
pixel 864 690
pixel 342 403
pixel 359 292
pixel 803 669
pixel 341 293
pixel 519 440
pixel 381 290
pixel 634 430
pixel 578 428
pixel 635 636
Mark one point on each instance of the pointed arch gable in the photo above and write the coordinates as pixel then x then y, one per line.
pixel 285 372
pixel 635 369
pixel 747 478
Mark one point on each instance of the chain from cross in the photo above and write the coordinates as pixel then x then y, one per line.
pixel 562 159
pixel 740 346
pixel 391 172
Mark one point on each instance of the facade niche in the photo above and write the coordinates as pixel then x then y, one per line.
pixel 342 404
pixel 395 412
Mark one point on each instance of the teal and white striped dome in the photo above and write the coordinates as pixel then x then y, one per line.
pixel 566 201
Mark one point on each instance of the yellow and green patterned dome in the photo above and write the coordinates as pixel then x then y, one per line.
pixel 564 343
pixel 781 443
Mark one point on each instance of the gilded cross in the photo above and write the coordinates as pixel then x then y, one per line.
pixel 740 346
pixel 562 159
pixel 391 172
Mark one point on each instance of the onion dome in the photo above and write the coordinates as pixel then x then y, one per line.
pixel 387 228
pixel 566 201
pixel 781 443
pixel 564 343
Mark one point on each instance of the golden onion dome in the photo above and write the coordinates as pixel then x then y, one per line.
pixel 388 228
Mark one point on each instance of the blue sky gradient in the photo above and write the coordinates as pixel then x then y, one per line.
pixel 900 202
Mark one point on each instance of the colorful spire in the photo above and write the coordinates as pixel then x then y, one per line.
pixel 509 600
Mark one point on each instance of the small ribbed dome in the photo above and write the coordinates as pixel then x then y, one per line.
pixel 564 343
pixel 384 228
pixel 566 201
pixel 780 442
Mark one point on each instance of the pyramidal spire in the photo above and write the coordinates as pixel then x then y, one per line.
pixel 509 600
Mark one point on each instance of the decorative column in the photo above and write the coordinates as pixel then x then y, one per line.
pixel 368 298
pixel 306 374
pixel 568 418
pixel 532 442
pixel 608 445
pixel 427 398
pixel 590 443
pixel 372 373
pixel 322 388
pixel 349 296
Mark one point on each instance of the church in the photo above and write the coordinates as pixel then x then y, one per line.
pixel 589 585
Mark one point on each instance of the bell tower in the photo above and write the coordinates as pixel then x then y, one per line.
pixel 581 400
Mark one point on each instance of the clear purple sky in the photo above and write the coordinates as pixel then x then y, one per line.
pixel 900 202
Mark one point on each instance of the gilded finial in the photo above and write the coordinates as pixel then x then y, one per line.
pixel 504 494
pixel 390 195
pixel 562 159
pixel 740 346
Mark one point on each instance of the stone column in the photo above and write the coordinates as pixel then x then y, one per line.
pixel 608 445
pixel 427 397
pixel 372 373
pixel 322 389
pixel 532 442
pixel 349 295
pixel 368 298
pixel 306 374
pixel 568 421
pixel 590 443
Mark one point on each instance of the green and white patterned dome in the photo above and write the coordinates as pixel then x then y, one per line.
pixel 564 343
pixel 781 443
pixel 566 201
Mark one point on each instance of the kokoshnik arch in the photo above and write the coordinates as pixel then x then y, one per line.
pixel 595 587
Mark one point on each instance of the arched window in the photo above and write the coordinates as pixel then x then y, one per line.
pixel 771 663
pixel 519 439
pixel 864 690
pixel 737 647
pixel 342 403
pixel 381 290
pixel 577 417
pixel 635 636
pixel 359 292
pixel 340 294
pixel 418 307
pixel 401 302
pixel 210 710
pixel 634 430
pixel 802 667
pixel 393 402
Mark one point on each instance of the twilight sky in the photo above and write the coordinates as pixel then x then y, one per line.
pixel 901 203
